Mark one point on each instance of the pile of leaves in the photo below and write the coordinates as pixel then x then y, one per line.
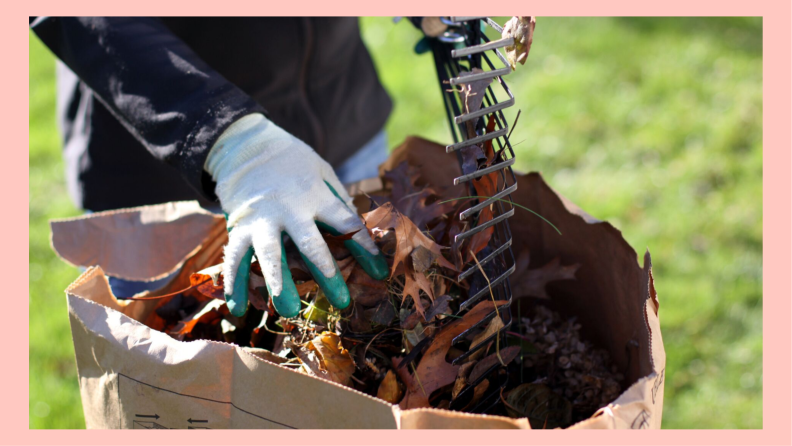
pixel 408 340
pixel 396 340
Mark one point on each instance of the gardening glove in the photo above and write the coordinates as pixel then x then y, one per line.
pixel 270 184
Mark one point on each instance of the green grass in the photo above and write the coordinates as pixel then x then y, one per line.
pixel 652 124
pixel 54 393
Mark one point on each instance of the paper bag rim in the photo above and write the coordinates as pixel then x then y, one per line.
pixel 181 209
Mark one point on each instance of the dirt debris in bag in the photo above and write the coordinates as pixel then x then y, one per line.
pixel 567 365
pixel 396 340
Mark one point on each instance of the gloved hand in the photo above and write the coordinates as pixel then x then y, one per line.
pixel 271 183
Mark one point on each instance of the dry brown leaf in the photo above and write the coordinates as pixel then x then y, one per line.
pixel 200 281
pixel 493 327
pixel 485 186
pixel 335 243
pixel 336 362
pixel 433 372
pixel 413 284
pixel 522 29
pixel 305 287
pixel 382 314
pixel 411 200
pixel 478 392
pixel 432 163
pixel 210 313
pixel 346 266
pixel 472 93
pixel 507 355
pixel 309 360
pixel 363 289
pixel 439 306
pixel 209 282
pixel 389 389
pixel 532 282
pixel 408 238
pixel 358 323
pixel 422 259
pixel 461 380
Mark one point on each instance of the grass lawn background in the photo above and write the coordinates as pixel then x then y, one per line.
pixel 654 124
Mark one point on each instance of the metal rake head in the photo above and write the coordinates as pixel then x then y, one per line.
pixel 464 54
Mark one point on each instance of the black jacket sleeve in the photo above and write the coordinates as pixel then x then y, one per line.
pixel 153 83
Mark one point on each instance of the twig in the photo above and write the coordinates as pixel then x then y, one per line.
pixel 417 378
pixel 518 335
pixel 414 193
pixel 375 337
pixel 514 124
pixel 435 273
pixel 276 332
pixel 497 313
pixel 511 203
pixel 191 287
pixel 266 315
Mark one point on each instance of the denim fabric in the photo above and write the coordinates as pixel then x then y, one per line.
pixel 127 288
pixel 365 162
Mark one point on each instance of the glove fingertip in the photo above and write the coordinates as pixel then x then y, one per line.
pixel 287 303
pixel 337 292
pixel 235 308
pixel 375 265
pixel 237 301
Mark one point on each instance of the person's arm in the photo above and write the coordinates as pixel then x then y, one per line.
pixel 186 114
pixel 157 87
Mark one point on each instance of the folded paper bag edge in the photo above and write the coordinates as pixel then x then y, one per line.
pixel 119 240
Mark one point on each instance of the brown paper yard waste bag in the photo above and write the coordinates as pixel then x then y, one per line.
pixel 132 376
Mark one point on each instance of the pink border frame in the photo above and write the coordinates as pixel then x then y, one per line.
pixel 777 200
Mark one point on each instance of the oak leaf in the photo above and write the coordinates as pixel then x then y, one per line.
pixel 433 372
pixel 363 289
pixel 336 363
pixel 506 355
pixel 411 200
pixel 408 239
pixel 389 389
